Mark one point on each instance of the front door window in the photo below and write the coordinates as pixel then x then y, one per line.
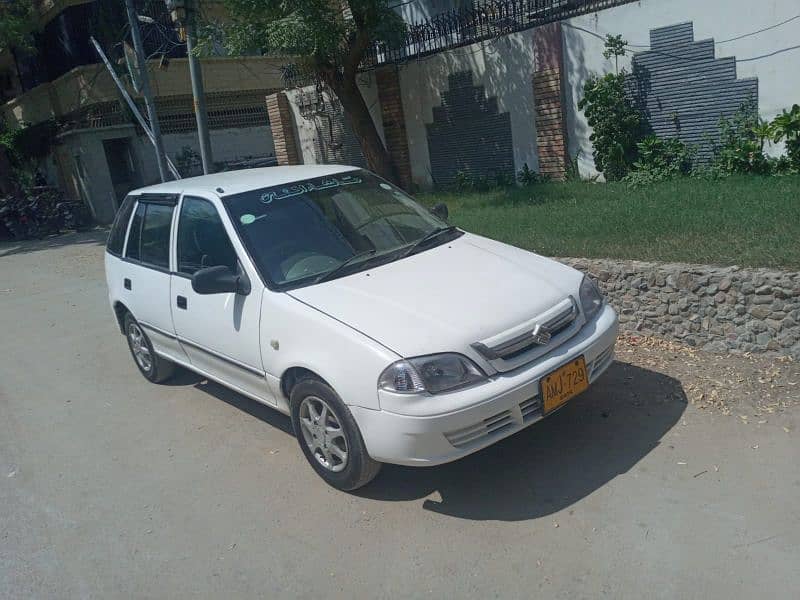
pixel 202 240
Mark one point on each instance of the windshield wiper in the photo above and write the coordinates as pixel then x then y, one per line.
pixel 338 268
pixel 427 238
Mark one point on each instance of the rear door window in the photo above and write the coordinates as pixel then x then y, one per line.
pixel 155 235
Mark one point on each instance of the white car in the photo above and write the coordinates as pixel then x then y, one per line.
pixel 327 293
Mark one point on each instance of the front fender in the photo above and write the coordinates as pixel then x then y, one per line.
pixel 294 334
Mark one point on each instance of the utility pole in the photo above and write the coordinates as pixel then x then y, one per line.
pixel 132 105
pixel 184 14
pixel 141 65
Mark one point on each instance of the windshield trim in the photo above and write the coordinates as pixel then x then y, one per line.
pixel 358 267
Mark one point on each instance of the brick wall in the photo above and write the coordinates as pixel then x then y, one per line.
pixel 283 137
pixel 548 94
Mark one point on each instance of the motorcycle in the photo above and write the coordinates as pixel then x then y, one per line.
pixel 42 211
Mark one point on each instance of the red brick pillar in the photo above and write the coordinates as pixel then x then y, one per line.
pixel 394 122
pixel 280 120
pixel 548 95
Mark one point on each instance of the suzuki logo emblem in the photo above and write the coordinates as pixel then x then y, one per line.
pixel 541 335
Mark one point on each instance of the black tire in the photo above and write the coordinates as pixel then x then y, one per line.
pixel 360 468
pixel 159 369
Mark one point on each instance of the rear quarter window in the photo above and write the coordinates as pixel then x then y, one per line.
pixel 132 249
pixel 116 237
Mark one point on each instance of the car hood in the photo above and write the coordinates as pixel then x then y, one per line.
pixel 445 298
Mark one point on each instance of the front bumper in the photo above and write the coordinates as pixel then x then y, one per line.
pixel 488 412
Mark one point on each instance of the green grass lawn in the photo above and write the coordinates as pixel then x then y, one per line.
pixel 747 221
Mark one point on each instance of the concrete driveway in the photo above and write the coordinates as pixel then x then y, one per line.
pixel 113 487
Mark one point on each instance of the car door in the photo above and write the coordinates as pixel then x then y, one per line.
pixel 145 271
pixel 219 332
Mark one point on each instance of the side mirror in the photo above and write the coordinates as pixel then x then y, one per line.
pixel 440 210
pixel 221 280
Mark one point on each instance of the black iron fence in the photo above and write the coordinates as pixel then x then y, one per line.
pixel 483 20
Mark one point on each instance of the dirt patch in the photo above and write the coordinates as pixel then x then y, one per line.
pixel 749 386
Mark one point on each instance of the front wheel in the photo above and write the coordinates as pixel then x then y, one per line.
pixel 329 436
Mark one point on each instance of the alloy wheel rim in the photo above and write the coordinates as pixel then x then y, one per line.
pixel 323 434
pixel 141 351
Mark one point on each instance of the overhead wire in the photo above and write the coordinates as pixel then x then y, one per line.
pixel 634 48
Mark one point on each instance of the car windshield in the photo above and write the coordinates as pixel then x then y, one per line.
pixel 304 232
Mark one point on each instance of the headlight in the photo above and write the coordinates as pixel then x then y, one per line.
pixel 434 373
pixel 591 299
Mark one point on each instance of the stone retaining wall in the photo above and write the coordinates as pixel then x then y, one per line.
pixel 716 308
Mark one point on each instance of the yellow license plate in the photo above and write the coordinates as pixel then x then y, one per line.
pixel 564 383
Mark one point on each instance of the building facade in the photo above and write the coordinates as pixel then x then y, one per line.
pixel 100 152
pixel 484 88
pixel 479 88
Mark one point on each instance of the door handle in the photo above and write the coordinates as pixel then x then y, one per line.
pixel 127 283
pixel 181 301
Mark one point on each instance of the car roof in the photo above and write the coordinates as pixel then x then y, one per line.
pixel 244 180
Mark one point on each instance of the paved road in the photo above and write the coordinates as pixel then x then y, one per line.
pixel 113 487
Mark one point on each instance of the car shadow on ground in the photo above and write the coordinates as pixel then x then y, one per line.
pixel 96 236
pixel 260 411
pixel 539 471
pixel 555 462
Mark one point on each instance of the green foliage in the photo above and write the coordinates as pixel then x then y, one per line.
pixel 17 21
pixel 617 126
pixel 786 127
pixel 28 142
pixel 316 31
pixel 741 144
pixel 526 176
pixel 660 159
pixel 614 46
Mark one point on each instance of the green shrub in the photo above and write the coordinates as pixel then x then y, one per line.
pixel 786 127
pixel 526 176
pixel 741 143
pixel 617 126
pixel 660 159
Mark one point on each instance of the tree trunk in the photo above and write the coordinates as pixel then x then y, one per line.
pixel 378 158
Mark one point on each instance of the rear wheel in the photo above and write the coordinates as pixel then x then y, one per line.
pixel 329 436
pixel 155 368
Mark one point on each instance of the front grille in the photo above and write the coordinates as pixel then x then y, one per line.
pixel 561 322
pixel 531 408
pixel 601 362
pixel 493 426
pixel 464 437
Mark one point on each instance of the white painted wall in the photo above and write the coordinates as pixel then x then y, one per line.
pixel 227 145
pixel 308 129
pixel 503 66
pixel 778 75
pixel 84 148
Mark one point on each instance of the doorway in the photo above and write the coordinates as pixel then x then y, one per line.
pixel 121 167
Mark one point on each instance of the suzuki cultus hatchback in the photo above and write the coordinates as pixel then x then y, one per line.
pixel 386 334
